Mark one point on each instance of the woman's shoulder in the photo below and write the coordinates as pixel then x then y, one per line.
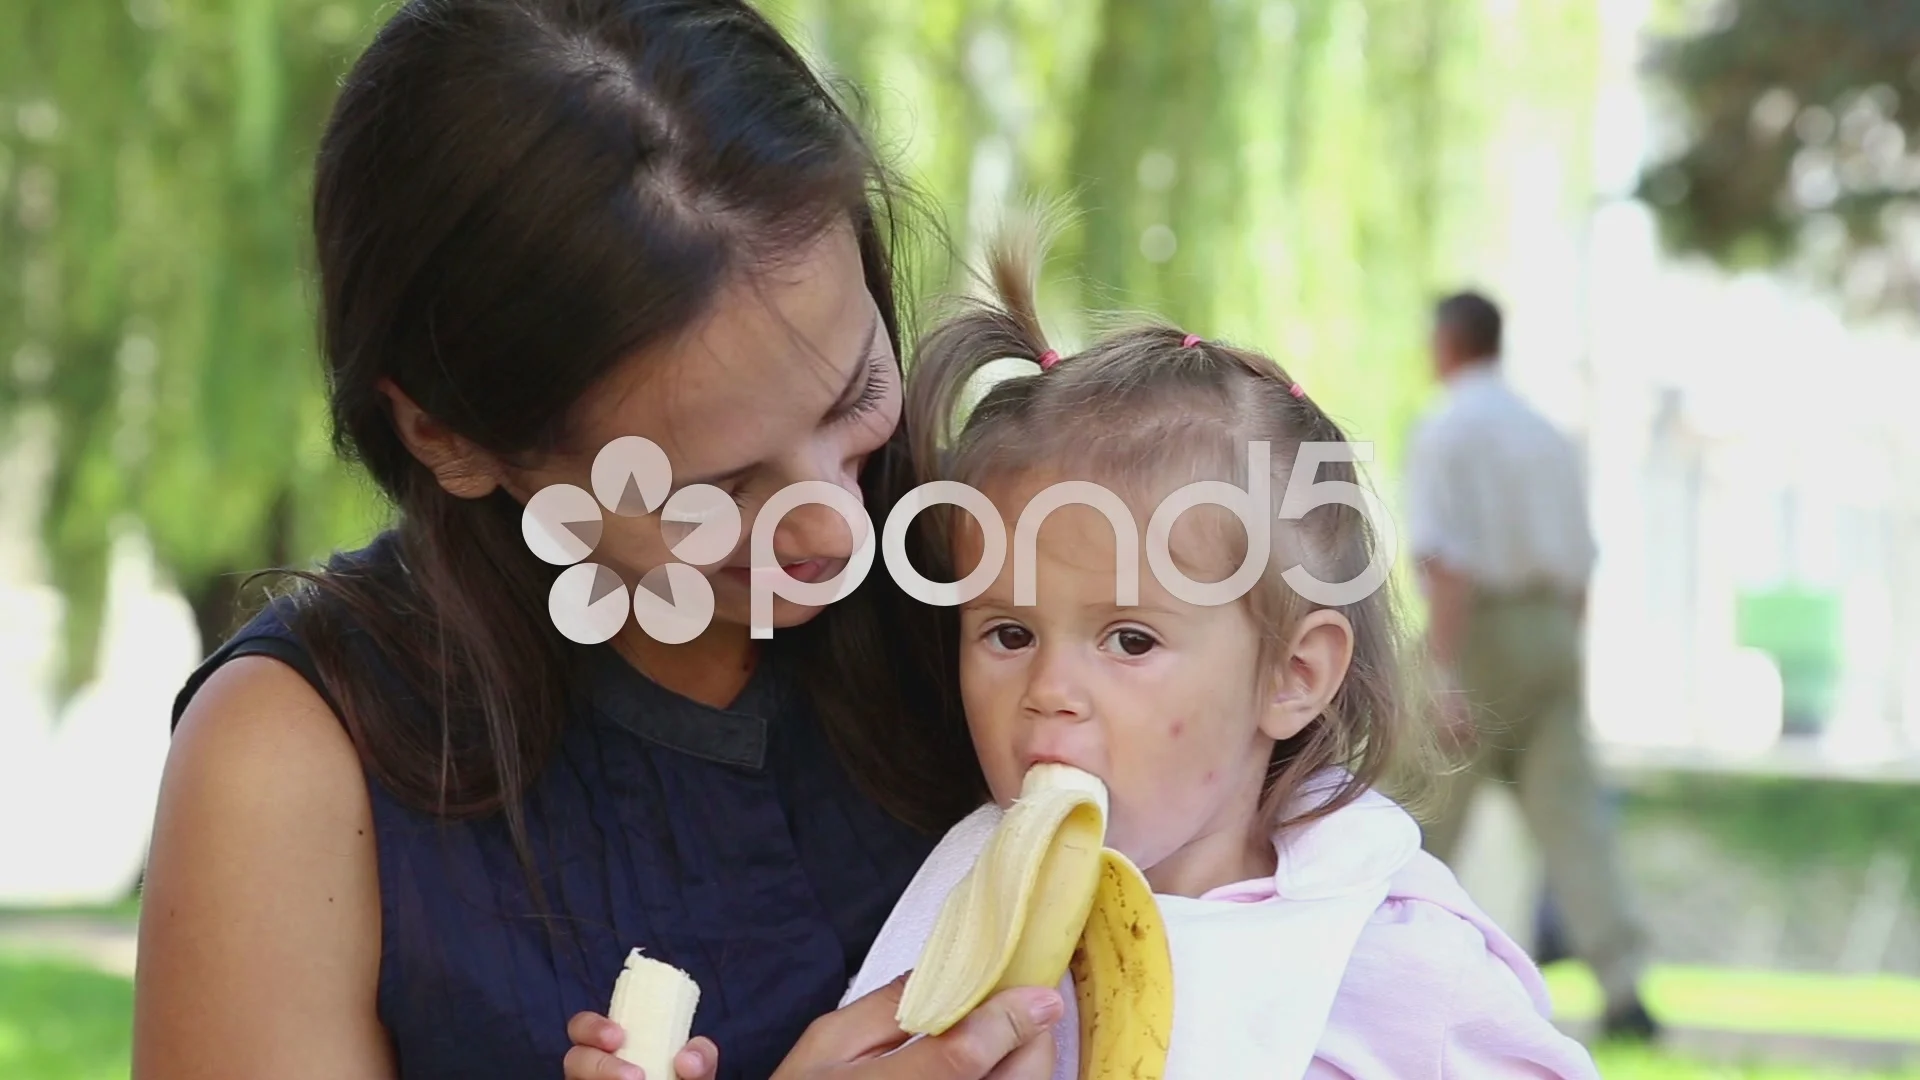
pixel 262 809
pixel 1435 985
pixel 272 633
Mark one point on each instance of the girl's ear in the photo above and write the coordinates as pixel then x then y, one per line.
pixel 464 470
pixel 1309 672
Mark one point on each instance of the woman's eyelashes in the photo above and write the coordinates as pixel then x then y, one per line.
pixel 879 382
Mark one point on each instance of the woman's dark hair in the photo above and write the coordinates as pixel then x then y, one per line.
pixel 512 198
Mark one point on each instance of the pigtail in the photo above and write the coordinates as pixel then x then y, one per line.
pixel 1014 259
pixel 1006 325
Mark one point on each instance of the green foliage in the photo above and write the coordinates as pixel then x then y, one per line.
pixel 1297 175
pixel 1789 823
pixel 163 153
pixel 1801 122
pixel 63 1022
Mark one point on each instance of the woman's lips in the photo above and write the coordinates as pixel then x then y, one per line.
pixel 806 571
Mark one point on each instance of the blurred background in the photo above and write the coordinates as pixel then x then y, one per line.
pixel 1701 218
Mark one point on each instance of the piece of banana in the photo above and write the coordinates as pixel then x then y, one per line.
pixel 1046 894
pixel 654 1002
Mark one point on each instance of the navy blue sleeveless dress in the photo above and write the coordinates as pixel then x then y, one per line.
pixel 728 842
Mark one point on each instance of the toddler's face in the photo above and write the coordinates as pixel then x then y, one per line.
pixel 1164 701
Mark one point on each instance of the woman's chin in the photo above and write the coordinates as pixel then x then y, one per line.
pixel 786 613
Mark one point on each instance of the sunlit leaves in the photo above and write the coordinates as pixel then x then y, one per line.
pixel 1801 145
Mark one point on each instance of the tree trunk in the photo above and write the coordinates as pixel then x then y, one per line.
pixel 224 600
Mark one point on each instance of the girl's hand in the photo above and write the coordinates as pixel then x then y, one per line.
pixel 595 1038
pixel 1008 1037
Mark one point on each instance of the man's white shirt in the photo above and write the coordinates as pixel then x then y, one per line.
pixel 1495 491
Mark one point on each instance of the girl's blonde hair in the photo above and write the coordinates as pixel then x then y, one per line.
pixel 1147 405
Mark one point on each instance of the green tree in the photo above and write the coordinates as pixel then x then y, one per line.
pixel 159 230
pixel 1801 144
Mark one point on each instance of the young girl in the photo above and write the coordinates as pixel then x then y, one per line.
pixel 1240 742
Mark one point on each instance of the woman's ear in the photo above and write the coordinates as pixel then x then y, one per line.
pixel 1309 672
pixel 464 470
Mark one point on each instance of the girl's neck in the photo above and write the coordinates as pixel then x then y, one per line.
pixel 1234 847
pixel 711 669
pixel 1211 861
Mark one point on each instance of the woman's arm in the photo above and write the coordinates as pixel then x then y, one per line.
pixel 259 946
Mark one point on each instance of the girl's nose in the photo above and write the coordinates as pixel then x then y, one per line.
pixel 1055 686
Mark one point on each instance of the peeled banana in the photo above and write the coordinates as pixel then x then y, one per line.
pixel 1047 896
pixel 654 1003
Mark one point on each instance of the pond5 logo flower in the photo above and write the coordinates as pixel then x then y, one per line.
pixel 589 603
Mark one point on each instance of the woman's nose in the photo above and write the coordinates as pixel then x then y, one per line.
pixel 812 529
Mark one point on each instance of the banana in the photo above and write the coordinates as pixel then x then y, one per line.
pixel 654 1003
pixel 1046 896
pixel 1123 978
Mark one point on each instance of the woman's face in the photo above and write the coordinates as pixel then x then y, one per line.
pixel 789 378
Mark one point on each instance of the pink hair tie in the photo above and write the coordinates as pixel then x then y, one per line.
pixel 1048 359
pixel 1296 391
pixel 1191 341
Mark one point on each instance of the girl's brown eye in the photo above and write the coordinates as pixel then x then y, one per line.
pixel 1012 637
pixel 1134 643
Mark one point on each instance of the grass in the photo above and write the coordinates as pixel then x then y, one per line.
pixel 59 1021
pixel 127 910
pixel 1622 1064
pixel 1869 1009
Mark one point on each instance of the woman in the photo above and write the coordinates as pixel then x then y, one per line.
pixel 407 829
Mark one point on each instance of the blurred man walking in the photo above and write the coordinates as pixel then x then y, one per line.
pixel 1498 520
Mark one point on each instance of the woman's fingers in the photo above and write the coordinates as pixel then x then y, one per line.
pixel 586 1063
pixel 699 1060
pixel 596 1031
pixel 1032 1061
pixel 862 1029
pixel 985 1041
pixel 995 1040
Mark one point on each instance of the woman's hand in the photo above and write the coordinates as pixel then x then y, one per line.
pixel 1008 1037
